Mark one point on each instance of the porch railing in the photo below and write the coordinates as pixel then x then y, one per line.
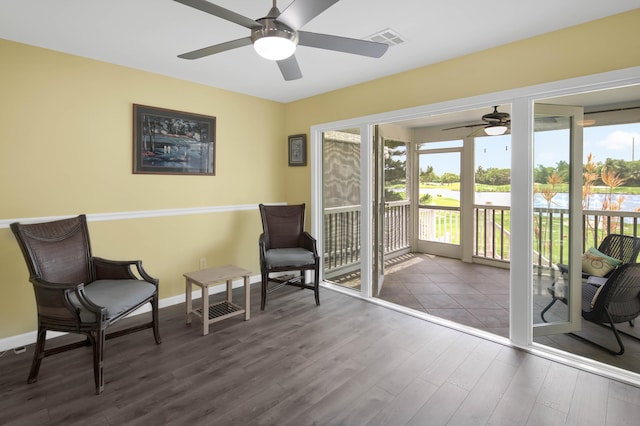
pixel 491 231
pixel 342 233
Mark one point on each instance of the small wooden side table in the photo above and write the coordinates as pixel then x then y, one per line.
pixel 221 310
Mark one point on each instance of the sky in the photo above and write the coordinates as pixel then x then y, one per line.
pixel 602 141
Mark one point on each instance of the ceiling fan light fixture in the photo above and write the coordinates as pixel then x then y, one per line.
pixel 274 41
pixel 495 129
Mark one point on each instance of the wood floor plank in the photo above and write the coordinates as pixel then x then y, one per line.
pixel 589 401
pixel 438 341
pixel 482 400
pixel 448 361
pixel 518 401
pixel 558 388
pixel 362 409
pixel 440 407
pixel 474 366
pixel 405 405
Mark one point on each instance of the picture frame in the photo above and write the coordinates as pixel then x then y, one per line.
pixel 173 142
pixel 297 150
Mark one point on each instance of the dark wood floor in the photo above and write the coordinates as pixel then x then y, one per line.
pixel 478 296
pixel 346 362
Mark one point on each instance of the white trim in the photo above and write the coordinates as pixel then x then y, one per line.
pixel 141 214
pixel 520 297
pixel 29 338
pixel 366 211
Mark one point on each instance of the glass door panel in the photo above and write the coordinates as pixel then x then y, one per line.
pixel 557 218
pixel 341 207
pixel 439 202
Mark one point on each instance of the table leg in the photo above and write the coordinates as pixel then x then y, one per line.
pixel 247 302
pixel 205 310
pixel 229 290
pixel 189 301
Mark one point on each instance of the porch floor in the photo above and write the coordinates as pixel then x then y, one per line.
pixel 478 296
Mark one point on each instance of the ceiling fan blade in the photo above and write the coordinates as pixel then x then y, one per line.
pixel 289 68
pixel 300 12
pixel 342 44
pixel 221 12
pixel 212 50
pixel 466 126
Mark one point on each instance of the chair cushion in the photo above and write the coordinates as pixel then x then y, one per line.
pixel 597 263
pixel 285 257
pixel 117 296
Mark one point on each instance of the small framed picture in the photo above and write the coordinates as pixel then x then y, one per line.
pixel 298 150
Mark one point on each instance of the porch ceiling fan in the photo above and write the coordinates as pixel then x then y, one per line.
pixel 276 35
pixel 495 123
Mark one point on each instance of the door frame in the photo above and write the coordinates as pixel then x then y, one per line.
pixel 574 320
pixel 434 247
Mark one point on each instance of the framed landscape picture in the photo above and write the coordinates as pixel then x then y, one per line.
pixel 173 142
pixel 298 150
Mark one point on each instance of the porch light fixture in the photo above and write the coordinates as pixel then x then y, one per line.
pixel 274 40
pixel 495 129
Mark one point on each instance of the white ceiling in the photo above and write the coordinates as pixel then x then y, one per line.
pixel 149 34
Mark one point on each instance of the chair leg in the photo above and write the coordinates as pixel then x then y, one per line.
pixel 615 333
pixel 155 319
pixel 38 354
pixel 98 358
pixel 263 296
pixel 544 311
pixel 316 285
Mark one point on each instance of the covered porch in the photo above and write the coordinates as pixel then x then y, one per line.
pixel 477 294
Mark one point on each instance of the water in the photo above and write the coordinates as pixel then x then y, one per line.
pixel 560 201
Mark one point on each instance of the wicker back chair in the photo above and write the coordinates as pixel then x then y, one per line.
pixel 78 293
pixel 284 246
pixel 625 248
pixel 617 301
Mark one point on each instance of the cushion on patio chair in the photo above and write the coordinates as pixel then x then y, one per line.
pixel 594 262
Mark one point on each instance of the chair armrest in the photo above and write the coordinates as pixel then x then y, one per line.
pixel 309 243
pixel 54 302
pixel 596 281
pixel 262 243
pixel 120 270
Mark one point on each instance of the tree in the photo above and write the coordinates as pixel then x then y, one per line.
pixel 449 178
pixel 493 176
pixel 427 175
pixel 541 173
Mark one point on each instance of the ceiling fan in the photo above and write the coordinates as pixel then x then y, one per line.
pixel 495 123
pixel 276 35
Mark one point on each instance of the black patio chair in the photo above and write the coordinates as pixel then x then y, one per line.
pixel 616 301
pixel 625 248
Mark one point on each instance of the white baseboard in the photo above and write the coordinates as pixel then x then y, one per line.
pixel 20 340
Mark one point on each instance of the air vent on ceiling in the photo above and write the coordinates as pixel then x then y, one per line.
pixel 387 36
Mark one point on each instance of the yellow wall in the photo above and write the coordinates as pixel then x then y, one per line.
pixel 66 148
pixel 66 145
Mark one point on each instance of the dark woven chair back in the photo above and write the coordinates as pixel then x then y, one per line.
pixel 283 225
pixel 619 297
pixel 57 251
pixel 623 247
